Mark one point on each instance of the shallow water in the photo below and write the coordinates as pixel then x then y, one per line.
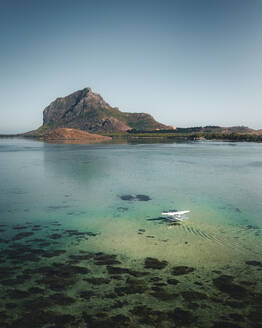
pixel 62 204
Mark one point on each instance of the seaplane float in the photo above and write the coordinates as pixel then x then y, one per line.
pixel 175 215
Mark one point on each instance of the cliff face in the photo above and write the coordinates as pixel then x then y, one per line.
pixel 88 111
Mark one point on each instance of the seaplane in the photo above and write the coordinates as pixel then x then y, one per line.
pixel 175 215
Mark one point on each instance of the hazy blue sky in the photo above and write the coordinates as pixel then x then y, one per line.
pixel 187 62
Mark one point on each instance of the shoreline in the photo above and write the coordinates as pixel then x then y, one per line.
pixel 160 136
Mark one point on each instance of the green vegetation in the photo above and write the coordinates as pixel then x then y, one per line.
pixel 40 132
pixel 177 135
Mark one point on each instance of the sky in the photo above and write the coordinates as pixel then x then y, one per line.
pixel 186 62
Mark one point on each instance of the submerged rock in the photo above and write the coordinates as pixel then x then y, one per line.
pixel 101 320
pixel 79 257
pixel 193 296
pixel 105 259
pixel 119 320
pixel 254 263
pixel 225 284
pixel 17 293
pixel 182 317
pixel 97 281
pixel 133 286
pixel 255 316
pixel 173 281
pixel 87 294
pixel 225 324
pixel 162 294
pixel 13 282
pixel 153 279
pixel 61 299
pixel 53 253
pixel 237 317
pixel 22 235
pixel 55 236
pixel 235 304
pixel 19 227
pixel 149 316
pixel 180 270
pixel 127 197
pixel 37 319
pixel 152 263
pixel 117 271
pixel 80 234
pixel 60 276
pixel 36 290
pixel 4 241
pixel 140 198
pixel 143 198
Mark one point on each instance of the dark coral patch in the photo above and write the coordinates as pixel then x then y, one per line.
pixel 255 316
pixel 172 281
pixel 19 227
pixel 55 236
pixel 17 293
pixel 225 284
pixel 36 290
pixel 60 276
pixel 22 235
pixel 225 324
pixel 140 198
pixel 87 294
pixel 117 271
pixel 143 198
pixel 254 263
pixel 105 259
pixel 61 299
pixel 97 281
pixel 193 296
pixel 180 270
pixel 127 197
pixel 133 286
pixel 101 320
pixel 149 316
pixel 162 294
pixel 38 318
pixel 152 263
pixel 182 317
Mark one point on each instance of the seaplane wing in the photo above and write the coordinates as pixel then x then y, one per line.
pixel 175 214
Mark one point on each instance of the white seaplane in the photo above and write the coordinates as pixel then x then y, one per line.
pixel 176 215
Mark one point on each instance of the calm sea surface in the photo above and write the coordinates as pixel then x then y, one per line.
pixel 79 248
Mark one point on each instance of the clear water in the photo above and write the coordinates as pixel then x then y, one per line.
pixel 80 187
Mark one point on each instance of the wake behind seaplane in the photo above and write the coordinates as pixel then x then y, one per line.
pixel 175 215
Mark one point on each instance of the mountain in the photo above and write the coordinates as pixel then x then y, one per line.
pixel 86 110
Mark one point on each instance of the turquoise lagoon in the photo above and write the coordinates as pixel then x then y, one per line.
pixel 75 252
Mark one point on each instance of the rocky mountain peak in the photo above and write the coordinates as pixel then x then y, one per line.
pixel 86 110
